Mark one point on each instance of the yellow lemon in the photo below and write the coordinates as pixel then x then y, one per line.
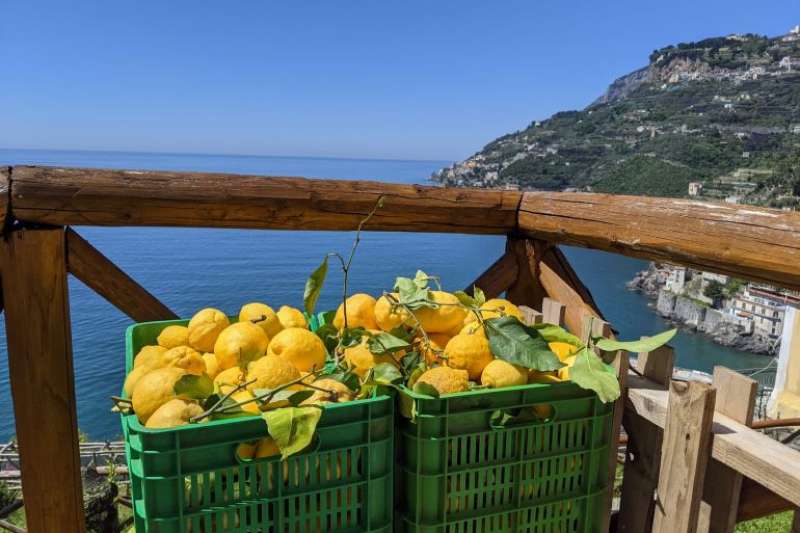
pixel 563 373
pixel 246 450
pixel 173 413
pixel 243 396
pixel 291 317
pixel 212 366
pixel 445 318
pixel 469 352
pixel 149 356
pixel 446 380
pixel 267 448
pixel 240 343
pixel 300 347
pixel 154 389
pixel 438 341
pixel 499 373
pixel 333 391
pixel 229 378
pixel 562 349
pixel 535 376
pixel 495 308
pixel 389 316
pixel 184 357
pixel 262 316
pixel 360 312
pixel 362 360
pixel 133 378
pixel 270 372
pixel 204 328
pixel 173 336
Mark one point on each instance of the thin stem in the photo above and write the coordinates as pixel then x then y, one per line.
pixel 213 409
pixel 267 396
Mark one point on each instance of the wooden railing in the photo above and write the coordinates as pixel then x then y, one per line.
pixel 38 204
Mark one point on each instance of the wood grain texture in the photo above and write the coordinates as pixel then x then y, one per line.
pixel 562 284
pixel 67 196
pixel 684 455
pixel 42 379
pixel 757 501
pixel 530 316
pixel 526 289
pixel 497 278
pixel 749 452
pixel 736 398
pixel 5 191
pixel 105 278
pixel 553 311
pixel 745 241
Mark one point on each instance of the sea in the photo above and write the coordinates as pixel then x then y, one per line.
pixel 192 268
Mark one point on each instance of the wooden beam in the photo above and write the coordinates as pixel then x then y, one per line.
pixel 736 398
pixel 757 501
pixel 69 196
pixel 5 192
pixel 42 379
pixel 684 455
pixel 744 241
pixel 105 278
pixel 526 288
pixel 753 454
pixel 497 278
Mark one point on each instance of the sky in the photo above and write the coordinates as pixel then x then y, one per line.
pixel 376 79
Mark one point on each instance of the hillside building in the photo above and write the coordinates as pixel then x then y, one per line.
pixel 766 307
pixel 695 188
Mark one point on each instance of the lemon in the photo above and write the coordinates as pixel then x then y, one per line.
pixel 563 373
pixel 212 366
pixel 229 378
pixel 290 317
pixel 246 450
pixel 173 413
pixel 437 343
pixel 535 376
pixel 469 352
pixel 362 360
pixel 154 389
pixel 335 391
pixel 184 357
pixel 499 373
pixel 266 448
pixel 240 343
pixel 360 312
pixel 446 380
pixel 389 316
pixel 270 372
pixel 445 318
pixel 173 336
pixel 244 395
pixel 300 347
pixel 562 349
pixel 495 308
pixel 204 328
pixel 148 356
pixel 262 316
pixel 133 378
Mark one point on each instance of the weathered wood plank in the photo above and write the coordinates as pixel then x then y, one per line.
pixel 764 460
pixel 5 191
pixel 643 455
pixel 745 241
pixel 497 278
pixel 530 316
pixel 101 275
pixel 756 501
pixel 66 196
pixel 553 311
pixel 526 288
pixel 736 398
pixel 684 455
pixel 41 374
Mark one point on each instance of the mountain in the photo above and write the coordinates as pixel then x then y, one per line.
pixel 722 114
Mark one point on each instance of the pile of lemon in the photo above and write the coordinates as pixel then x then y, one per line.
pixel 265 349
pixel 453 341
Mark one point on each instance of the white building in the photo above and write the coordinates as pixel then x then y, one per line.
pixel 676 280
pixel 695 188
pixel 766 307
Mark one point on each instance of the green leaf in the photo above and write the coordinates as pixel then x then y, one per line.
pixel 194 387
pixel 383 342
pixel 426 388
pixel 292 428
pixel 386 374
pixel 352 337
pixel 411 294
pixel 328 316
pixel 590 372
pixel 553 333
pixel 329 335
pixel 513 341
pixel 410 360
pixel 282 398
pixel 402 333
pixel 348 378
pixel 466 299
pixel 644 345
pixel 421 279
pixel 480 297
pixel 314 286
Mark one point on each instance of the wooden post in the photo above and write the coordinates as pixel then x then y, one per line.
pixel 736 398
pixel 42 385
pixel 526 289
pixel 643 456
pixel 684 455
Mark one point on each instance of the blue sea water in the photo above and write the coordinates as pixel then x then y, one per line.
pixel 191 268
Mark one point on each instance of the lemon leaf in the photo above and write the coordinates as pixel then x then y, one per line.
pixel 466 299
pixel 194 387
pixel 644 345
pixel 590 372
pixel 383 342
pixel 329 335
pixel 292 428
pixel 426 388
pixel 554 333
pixel 513 341
pixel 480 297
pixel 386 374
pixel 314 286
pixel 352 337
pixel 413 293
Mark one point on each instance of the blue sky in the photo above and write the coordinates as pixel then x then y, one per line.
pixel 409 80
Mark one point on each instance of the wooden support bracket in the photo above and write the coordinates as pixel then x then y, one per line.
pixel 497 278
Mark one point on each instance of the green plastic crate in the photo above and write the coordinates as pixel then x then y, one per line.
pixel 189 478
pixel 461 472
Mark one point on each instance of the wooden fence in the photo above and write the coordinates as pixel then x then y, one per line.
pixel 702 430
